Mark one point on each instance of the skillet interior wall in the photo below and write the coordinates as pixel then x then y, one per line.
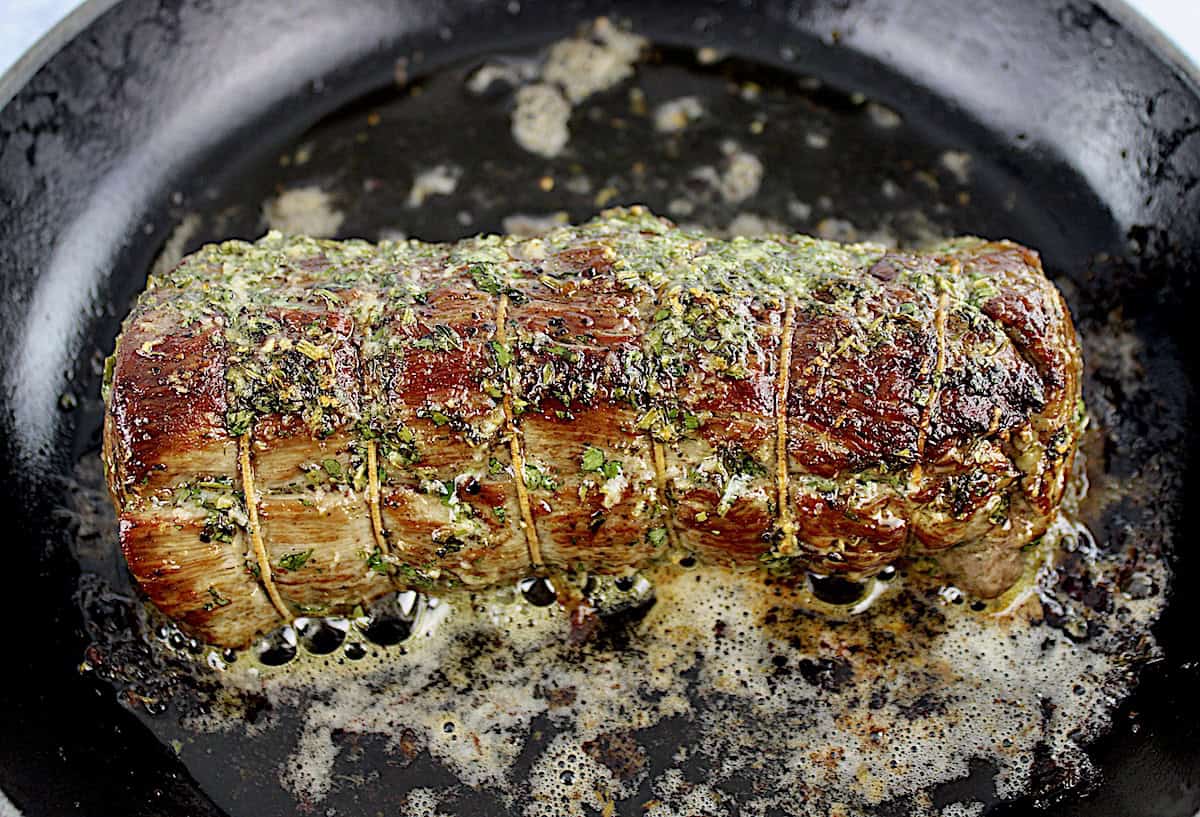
pixel 153 99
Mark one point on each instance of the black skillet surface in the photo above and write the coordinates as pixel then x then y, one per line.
pixel 1084 133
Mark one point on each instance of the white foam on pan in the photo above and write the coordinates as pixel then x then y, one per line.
pixel 676 114
pixel 422 802
pixel 600 57
pixel 439 180
pixel 304 211
pixel 540 119
pixel 822 715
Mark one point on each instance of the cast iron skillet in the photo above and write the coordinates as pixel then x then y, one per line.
pixel 1087 115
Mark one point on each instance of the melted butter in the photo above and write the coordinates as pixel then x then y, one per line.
pixel 826 709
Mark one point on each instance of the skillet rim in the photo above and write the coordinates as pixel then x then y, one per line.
pixel 14 80
pixel 1128 17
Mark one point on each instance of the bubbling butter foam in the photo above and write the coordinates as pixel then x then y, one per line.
pixel 725 695
pixel 693 690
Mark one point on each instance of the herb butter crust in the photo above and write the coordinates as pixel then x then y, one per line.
pixel 296 426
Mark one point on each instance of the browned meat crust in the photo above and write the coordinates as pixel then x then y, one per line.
pixel 297 426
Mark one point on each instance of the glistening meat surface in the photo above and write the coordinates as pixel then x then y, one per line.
pixel 297 426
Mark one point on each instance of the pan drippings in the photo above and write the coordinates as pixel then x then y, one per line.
pixel 805 699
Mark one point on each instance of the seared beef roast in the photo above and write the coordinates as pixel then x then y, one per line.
pixel 296 426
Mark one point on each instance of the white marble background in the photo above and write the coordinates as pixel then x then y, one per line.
pixel 22 22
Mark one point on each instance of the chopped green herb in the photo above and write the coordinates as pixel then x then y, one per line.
pixel 657 536
pixel 536 479
pixel 332 301
pixel 359 478
pixel 440 418
pixel 823 485
pixel 332 467
pixel 218 527
pixel 311 350
pixel 442 339
pixel 649 419
pixel 415 576
pixel 217 600
pixel 377 563
pixel 488 277
pixel 110 366
pixel 593 459
pixel 777 564
pixel 295 560
pixel 238 422
pixel 738 461
pixel 503 355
